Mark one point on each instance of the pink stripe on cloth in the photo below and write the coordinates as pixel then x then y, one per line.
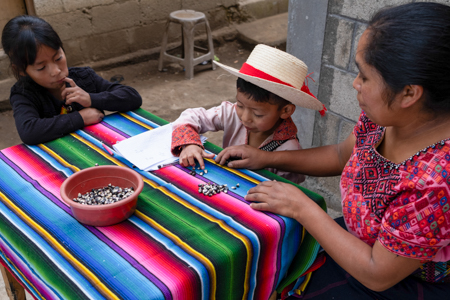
pixel 36 168
pixel 267 228
pixel 154 257
pixel 35 281
pixel 104 133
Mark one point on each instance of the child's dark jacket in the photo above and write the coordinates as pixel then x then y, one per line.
pixel 38 114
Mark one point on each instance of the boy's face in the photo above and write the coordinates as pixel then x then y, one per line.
pixel 258 117
pixel 49 68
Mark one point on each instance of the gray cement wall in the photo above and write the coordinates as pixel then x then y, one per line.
pixel 95 30
pixel 110 32
pixel 324 34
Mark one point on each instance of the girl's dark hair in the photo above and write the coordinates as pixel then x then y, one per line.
pixel 410 45
pixel 21 39
pixel 259 94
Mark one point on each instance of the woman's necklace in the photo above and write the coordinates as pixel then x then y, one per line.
pixel 388 164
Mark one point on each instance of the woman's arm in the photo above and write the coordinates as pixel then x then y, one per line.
pixel 320 161
pixel 375 267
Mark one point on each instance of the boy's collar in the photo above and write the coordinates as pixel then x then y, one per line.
pixel 286 130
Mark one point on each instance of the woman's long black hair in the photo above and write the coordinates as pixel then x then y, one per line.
pixel 410 45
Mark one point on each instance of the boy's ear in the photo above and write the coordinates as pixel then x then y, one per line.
pixel 287 111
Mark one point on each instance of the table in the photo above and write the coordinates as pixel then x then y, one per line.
pixel 179 244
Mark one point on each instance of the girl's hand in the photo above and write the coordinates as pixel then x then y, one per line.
pixel 75 94
pixel 91 116
pixel 192 153
pixel 243 156
pixel 277 197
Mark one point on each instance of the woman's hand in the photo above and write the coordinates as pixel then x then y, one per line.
pixel 277 197
pixel 91 116
pixel 243 156
pixel 75 94
pixel 192 153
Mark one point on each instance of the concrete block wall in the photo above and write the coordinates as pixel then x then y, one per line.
pixel 104 33
pixel 96 30
pixel 338 35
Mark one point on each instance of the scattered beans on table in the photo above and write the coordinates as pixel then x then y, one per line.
pixel 210 189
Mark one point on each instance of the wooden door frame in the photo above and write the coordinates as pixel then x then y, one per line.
pixel 29 5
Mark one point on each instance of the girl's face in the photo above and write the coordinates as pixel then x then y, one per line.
pixel 49 68
pixel 372 90
pixel 258 117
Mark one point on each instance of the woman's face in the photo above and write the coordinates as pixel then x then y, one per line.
pixel 49 68
pixel 371 90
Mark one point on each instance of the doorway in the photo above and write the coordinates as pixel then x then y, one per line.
pixel 12 8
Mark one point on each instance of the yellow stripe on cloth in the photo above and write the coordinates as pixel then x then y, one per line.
pixel 58 158
pixel 302 287
pixel 61 250
pixel 22 276
pixel 136 121
pixel 198 255
pixel 186 204
pixel 234 171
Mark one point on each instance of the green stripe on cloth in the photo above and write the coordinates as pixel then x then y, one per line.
pixel 309 247
pixel 205 237
pixel 44 267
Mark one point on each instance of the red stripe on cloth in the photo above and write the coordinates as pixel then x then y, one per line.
pixel 252 71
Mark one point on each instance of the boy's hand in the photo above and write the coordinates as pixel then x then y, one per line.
pixel 91 116
pixel 75 94
pixel 192 153
pixel 242 156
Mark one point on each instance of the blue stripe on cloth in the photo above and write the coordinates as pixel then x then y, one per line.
pixel 179 252
pixel 50 160
pixel 231 223
pixel 68 231
pixel 41 244
pixel 125 125
pixel 219 174
pixel 142 119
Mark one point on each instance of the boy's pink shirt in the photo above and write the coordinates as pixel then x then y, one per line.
pixel 224 118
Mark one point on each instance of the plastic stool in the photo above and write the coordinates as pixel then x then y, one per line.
pixel 188 20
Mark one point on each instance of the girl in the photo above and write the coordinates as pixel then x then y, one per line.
pixel 393 240
pixel 49 99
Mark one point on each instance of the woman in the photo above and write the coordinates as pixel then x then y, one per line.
pixel 394 167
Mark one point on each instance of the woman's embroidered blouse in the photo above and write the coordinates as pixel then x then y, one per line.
pixel 406 206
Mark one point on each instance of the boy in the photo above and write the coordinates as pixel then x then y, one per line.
pixel 269 86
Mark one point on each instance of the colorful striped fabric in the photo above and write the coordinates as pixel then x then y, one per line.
pixel 179 244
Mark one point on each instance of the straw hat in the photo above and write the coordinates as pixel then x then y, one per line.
pixel 280 73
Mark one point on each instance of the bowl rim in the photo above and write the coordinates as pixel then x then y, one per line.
pixel 130 171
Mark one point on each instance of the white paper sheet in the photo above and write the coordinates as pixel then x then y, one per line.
pixel 149 149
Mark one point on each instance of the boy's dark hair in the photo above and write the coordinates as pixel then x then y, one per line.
pixel 259 94
pixel 410 45
pixel 21 39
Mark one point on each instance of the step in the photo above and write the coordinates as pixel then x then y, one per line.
pixel 271 31
pixel 5 87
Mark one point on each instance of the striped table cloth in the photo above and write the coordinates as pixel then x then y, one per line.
pixel 179 244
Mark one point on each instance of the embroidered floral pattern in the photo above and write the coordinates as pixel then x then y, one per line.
pixel 406 208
